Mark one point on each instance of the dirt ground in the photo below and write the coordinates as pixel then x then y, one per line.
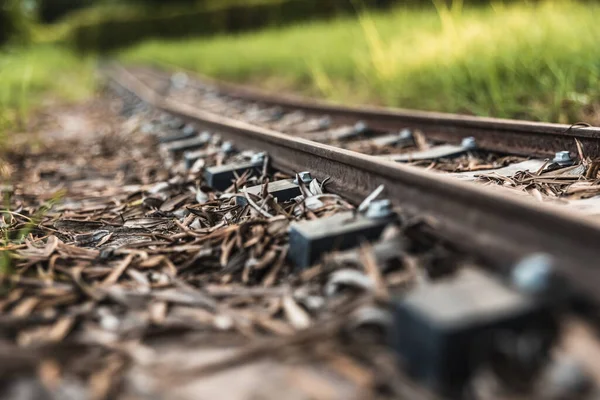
pixel 124 278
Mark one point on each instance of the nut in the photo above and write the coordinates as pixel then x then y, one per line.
pixel 534 274
pixel 258 158
pixel 179 80
pixel 406 134
pixel 206 136
pixel 348 278
pixel 380 209
pixel 325 123
pixel 563 158
pixel 469 143
pixel 227 147
pixel 361 127
pixel 189 129
pixel 304 176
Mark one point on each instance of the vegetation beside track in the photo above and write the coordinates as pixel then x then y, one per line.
pixel 30 75
pixel 534 61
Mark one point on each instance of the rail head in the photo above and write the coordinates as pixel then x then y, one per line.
pixel 495 134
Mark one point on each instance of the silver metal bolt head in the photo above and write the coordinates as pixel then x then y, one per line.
pixel 469 143
pixel 369 315
pixel 562 158
pixel 175 122
pixel 534 274
pixel 305 177
pixel 206 136
pixel 258 158
pixel 361 127
pixel 325 122
pixel 277 113
pixel 188 129
pixel 347 278
pixel 569 378
pixel 380 209
pixel 179 80
pixel 227 147
pixel 406 134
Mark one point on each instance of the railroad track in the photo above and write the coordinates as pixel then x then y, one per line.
pixel 494 225
pixel 495 230
pixel 503 136
pixel 483 150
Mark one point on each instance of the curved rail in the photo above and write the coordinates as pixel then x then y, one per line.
pixel 524 138
pixel 495 226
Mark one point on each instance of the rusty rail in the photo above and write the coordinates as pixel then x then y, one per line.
pixel 494 226
pixel 524 138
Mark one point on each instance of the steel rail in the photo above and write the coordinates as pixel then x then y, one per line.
pixel 491 224
pixel 494 134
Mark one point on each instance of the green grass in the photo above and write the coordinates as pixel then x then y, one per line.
pixel 522 60
pixel 28 76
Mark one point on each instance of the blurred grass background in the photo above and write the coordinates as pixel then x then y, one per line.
pixel 32 75
pixel 522 60
pixel 518 59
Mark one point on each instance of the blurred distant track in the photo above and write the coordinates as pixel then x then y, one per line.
pixel 524 138
pixel 491 224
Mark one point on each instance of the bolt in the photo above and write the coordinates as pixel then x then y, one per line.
pixel 361 127
pixel 205 136
pixel 568 377
pixel 469 143
pixel 406 134
pixel 175 123
pixel 347 278
pixel 380 209
pixel 277 113
pixel 305 177
pixel 179 80
pixel 325 123
pixel 534 274
pixel 563 158
pixel 227 147
pixel 188 129
pixel 258 158
pixel 371 316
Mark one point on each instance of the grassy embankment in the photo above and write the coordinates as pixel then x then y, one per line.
pixel 524 61
pixel 47 68
pixel 31 75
